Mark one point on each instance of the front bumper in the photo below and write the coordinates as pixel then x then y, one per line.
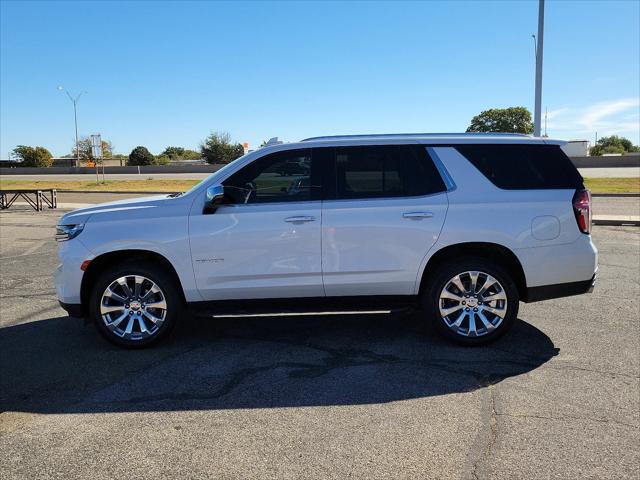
pixel 68 275
pixel 547 292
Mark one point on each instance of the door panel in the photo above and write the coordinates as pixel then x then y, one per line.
pixel 258 251
pixel 376 246
pixel 386 206
pixel 265 240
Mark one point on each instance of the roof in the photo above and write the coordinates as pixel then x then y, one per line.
pixel 428 138
pixel 413 136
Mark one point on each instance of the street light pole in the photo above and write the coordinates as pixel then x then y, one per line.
pixel 537 116
pixel 75 118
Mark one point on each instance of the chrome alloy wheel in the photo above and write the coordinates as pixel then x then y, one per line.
pixel 473 304
pixel 133 307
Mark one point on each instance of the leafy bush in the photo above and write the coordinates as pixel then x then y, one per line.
pixel 179 153
pixel 218 148
pixel 162 160
pixel 33 156
pixel 612 144
pixel 141 156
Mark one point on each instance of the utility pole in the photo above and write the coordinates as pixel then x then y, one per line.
pixel 75 118
pixel 537 116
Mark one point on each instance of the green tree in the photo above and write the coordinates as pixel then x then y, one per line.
pixel 504 120
pixel 174 153
pixel 612 144
pixel 141 156
pixel 191 155
pixel 33 156
pixel 162 160
pixel 179 153
pixel 218 148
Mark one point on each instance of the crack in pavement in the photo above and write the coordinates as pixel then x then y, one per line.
pixel 480 467
pixel 601 372
pixel 338 359
pixel 568 418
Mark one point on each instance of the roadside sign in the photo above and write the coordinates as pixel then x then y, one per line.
pixel 96 146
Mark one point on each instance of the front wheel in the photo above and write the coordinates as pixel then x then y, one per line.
pixel 471 300
pixel 134 305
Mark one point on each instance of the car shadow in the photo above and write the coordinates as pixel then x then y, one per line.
pixel 60 366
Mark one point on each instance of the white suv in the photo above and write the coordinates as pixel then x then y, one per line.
pixel 463 225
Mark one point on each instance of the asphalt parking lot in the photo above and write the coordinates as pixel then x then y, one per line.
pixel 354 396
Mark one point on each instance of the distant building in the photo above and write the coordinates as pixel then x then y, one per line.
pixel 577 148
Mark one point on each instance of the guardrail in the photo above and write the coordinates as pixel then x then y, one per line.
pixel 37 202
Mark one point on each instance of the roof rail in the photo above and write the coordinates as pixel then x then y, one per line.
pixel 417 135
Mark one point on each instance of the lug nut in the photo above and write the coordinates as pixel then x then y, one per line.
pixel 464 303
pixel 475 309
pixel 466 309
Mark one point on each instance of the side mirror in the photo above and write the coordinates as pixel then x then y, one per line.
pixel 214 197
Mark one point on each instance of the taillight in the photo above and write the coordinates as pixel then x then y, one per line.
pixel 582 209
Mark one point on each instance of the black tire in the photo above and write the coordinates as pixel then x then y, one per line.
pixel 163 280
pixel 436 282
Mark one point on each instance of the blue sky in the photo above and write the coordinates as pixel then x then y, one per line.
pixel 168 73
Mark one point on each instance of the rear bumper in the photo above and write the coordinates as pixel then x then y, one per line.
pixel 547 292
pixel 73 309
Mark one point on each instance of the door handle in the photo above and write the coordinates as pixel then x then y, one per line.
pixel 300 219
pixel 417 215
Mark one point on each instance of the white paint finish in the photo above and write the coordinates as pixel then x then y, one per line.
pixel 157 224
pixel 68 276
pixel 570 262
pixel 370 248
pixel 546 227
pixel 252 251
pixel 481 212
pixel 365 247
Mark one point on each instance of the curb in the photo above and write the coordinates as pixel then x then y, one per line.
pixel 615 195
pixel 615 222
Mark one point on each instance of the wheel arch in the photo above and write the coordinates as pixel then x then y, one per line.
pixel 491 251
pixel 109 259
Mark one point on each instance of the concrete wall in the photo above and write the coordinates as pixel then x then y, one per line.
pixel 579 162
pixel 607 162
pixel 111 170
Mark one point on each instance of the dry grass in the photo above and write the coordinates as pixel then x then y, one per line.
pixel 613 185
pixel 596 185
pixel 150 185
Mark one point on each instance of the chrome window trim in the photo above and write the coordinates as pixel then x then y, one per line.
pixel 446 177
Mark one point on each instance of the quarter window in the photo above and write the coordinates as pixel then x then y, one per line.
pixel 523 167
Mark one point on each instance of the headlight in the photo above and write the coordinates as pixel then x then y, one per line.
pixel 67 232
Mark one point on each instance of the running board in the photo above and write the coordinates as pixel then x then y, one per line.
pixel 396 304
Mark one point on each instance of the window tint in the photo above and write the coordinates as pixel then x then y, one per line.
pixel 385 171
pixel 523 167
pixel 279 177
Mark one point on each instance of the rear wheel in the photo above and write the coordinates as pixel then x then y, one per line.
pixel 471 300
pixel 134 305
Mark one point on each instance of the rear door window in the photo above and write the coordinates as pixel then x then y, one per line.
pixel 385 171
pixel 524 167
